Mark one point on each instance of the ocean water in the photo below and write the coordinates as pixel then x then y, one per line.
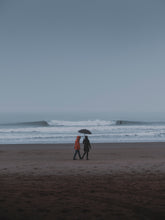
pixel 62 128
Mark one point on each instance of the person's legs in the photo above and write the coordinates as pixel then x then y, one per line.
pixel 83 155
pixel 74 157
pixel 79 154
pixel 87 155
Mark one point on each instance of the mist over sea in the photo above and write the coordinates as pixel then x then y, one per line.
pixel 19 128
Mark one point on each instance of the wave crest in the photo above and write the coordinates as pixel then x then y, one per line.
pixel 33 123
pixel 88 123
pixel 36 123
pixel 123 122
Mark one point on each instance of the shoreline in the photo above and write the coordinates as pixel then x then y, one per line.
pixel 93 143
pixel 106 158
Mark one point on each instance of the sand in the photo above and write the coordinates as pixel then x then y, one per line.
pixel 119 181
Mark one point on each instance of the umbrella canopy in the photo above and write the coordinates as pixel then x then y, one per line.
pixel 85 131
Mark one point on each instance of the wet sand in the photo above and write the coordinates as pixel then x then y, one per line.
pixel 120 181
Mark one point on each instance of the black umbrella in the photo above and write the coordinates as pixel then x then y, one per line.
pixel 85 131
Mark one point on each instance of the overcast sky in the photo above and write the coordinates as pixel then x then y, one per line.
pixel 82 55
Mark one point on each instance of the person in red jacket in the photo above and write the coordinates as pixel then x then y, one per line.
pixel 77 148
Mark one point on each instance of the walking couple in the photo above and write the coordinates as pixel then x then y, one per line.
pixel 87 147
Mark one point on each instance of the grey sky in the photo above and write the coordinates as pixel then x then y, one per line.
pixel 89 55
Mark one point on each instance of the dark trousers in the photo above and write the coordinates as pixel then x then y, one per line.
pixel 76 152
pixel 85 152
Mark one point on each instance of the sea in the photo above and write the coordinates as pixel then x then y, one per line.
pixel 53 128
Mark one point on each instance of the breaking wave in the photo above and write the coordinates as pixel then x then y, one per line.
pixel 61 131
pixel 123 122
pixel 96 123
pixel 81 123
pixel 33 123
pixel 87 123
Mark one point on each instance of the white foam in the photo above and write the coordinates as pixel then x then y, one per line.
pixel 81 123
pixel 66 131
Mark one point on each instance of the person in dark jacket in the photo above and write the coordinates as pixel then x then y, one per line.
pixel 87 147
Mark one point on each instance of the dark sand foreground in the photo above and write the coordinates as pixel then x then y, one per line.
pixel 120 181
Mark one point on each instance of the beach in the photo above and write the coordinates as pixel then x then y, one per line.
pixel 119 181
